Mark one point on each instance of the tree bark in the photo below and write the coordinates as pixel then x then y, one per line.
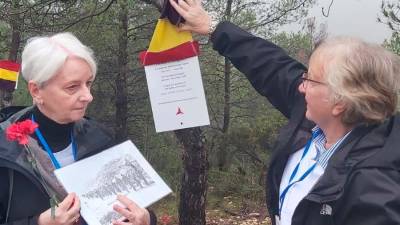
pixel 227 96
pixel 222 159
pixel 227 79
pixel 193 192
pixel 121 99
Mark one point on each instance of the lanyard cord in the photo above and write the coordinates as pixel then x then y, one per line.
pixel 293 175
pixel 53 159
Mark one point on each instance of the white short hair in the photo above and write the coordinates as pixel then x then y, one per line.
pixel 43 56
pixel 363 75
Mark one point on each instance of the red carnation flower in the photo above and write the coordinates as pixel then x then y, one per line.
pixel 165 219
pixel 20 131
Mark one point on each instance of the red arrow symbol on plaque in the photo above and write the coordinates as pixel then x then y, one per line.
pixel 179 111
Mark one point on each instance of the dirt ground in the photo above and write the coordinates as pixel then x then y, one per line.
pixel 215 217
pixel 221 211
pixel 250 219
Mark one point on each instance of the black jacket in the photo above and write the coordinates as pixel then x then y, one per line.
pixel 29 198
pixel 361 184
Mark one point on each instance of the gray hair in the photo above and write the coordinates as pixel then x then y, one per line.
pixel 364 76
pixel 43 56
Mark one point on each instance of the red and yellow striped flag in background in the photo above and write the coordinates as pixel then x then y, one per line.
pixel 8 75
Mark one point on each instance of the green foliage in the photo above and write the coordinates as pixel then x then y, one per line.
pixel 244 152
pixel 297 45
pixel 21 96
pixel 260 16
pixel 390 10
pixel 4 40
pixel 231 183
pixel 247 149
pixel 393 43
pixel 163 152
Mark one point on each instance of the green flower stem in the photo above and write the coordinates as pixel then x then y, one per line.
pixel 53 199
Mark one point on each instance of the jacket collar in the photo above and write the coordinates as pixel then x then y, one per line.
pixel 363 142
pixel 90 139
pixel 88 136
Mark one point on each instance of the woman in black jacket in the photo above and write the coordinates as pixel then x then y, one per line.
pixel 59 70
pixel 337 160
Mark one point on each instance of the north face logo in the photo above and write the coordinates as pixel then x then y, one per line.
pixel 326 210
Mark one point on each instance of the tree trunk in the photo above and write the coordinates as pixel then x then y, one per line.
pixel 121 101
pixel 223 151
pixel 193 192
pixel 15 23
pixel 227 96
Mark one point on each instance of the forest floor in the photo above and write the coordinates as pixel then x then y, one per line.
pixel 250 219
pixel 220 211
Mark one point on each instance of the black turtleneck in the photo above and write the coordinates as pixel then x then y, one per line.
pixel 57 136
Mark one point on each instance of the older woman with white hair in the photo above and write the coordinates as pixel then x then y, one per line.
pixel 337 161
pixel 60 71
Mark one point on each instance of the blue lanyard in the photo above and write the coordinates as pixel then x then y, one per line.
pixel 48 149
pixel 293 175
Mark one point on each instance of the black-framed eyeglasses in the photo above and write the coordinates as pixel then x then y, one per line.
pixel 305 80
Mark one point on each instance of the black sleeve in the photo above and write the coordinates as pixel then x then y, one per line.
pixel 373 198
pixel 24 221
pixel 153 217
pixel 271 71
pixel 3 193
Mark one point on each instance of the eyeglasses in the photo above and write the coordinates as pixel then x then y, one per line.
pixel 306 80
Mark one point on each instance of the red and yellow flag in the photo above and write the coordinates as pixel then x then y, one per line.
pixel 8 74
pixel 168 45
